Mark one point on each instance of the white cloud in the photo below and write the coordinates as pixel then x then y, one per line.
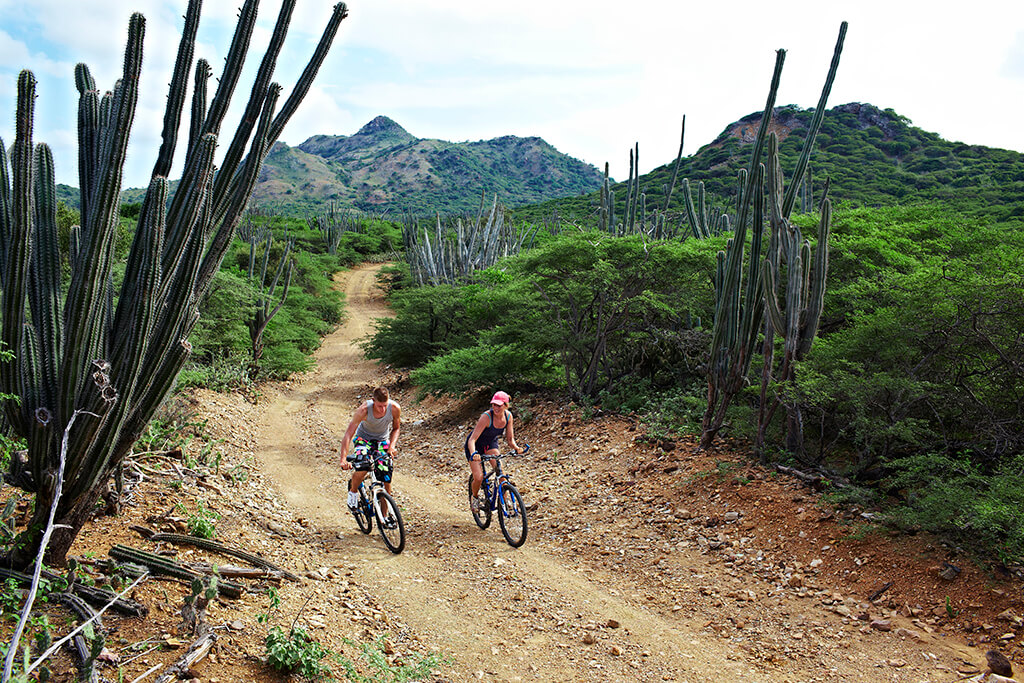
pixel 591 77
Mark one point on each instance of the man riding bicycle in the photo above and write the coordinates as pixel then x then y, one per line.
pixel 374 432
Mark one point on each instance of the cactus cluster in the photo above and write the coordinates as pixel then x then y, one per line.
pixel 332 224
pixel 637 219
pixel 739 306
pixel 111 352
pixel 453 250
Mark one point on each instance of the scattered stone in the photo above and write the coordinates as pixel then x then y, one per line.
pixel 881 625
pixel 998 663
pixel 612 623
pixel 589 638
pixel 949 572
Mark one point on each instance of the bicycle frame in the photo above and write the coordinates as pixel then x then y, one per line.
pixel 492 494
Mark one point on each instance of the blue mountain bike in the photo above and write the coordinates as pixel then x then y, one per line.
pixel 498 494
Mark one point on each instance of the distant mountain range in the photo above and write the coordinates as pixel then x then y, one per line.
pixel 384 168
pixel 872 156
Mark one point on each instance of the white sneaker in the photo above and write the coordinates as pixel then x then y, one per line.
pixel 353 500
pixel 474 503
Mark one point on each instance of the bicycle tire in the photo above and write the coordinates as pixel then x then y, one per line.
pixel 512 515
pixel 394 538
pixel 363 514
pixel 482 517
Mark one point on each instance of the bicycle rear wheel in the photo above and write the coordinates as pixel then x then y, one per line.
pixel 482 517
pixel 389 522
pixel 512 515
pixel 363 514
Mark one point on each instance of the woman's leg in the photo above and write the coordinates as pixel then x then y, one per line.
pixel 476 465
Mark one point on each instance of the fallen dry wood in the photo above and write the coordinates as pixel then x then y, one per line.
pixel 196 651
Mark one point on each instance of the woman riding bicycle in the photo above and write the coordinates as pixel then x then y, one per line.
pixel 484 439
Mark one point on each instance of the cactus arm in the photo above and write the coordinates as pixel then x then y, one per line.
pixel 44 292
pixel 88 133
pixel 675 169
pixel 199 102
pixel 251 116
pixel 305 81
pixel 762 129
pixel 812 130
pixel 819 274
pixel 176 92
pixel 240 197
pixel 233 64
pixel 18 248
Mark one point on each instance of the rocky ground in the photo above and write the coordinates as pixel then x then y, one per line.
pixel 645 560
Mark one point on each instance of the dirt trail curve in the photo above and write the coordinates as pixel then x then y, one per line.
pixel 549 611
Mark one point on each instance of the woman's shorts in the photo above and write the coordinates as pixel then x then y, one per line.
pixel 480 447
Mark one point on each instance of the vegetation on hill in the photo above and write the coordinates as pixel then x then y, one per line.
pixel 873 157
pixel 384 169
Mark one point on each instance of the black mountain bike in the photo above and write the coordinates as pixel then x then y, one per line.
pixel 376 503
pixel 499 494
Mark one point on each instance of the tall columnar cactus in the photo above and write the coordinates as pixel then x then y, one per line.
pixel 793 316
pixel 739 308
pixel 262 312
pixel 113 354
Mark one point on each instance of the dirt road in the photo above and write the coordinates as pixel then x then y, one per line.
pixel 590 596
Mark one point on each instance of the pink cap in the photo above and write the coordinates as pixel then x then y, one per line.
pixel 501 397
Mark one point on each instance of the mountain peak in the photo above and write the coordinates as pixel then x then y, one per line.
pixel 382 126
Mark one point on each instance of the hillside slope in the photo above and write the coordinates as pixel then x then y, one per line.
pixel 384 168
pixel 873 157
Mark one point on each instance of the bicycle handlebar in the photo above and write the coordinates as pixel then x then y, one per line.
pixel 510 454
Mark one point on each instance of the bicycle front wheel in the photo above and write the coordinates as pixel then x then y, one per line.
pixel 389 522
pixel 482 517
pixel 512 515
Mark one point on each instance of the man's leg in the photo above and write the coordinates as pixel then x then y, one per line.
pixel 353 488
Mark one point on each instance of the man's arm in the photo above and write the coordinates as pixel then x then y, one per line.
pixel 396 428
pixel 357 419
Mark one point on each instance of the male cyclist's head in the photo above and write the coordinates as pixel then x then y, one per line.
pixel 380 395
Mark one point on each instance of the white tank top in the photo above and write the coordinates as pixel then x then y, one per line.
pixel 376 428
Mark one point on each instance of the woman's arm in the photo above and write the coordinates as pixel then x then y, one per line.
pixel 510 434
pixel 477 431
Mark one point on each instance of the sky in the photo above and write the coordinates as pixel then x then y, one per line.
pixel 591 77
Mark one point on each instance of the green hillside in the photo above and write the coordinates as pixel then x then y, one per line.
pixel 382 168
pixel 874 157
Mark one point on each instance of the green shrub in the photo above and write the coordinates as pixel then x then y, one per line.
pixel 295 652
pixel 495 364
pixel 986 521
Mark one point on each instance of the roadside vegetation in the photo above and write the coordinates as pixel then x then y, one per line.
pixel 892 377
